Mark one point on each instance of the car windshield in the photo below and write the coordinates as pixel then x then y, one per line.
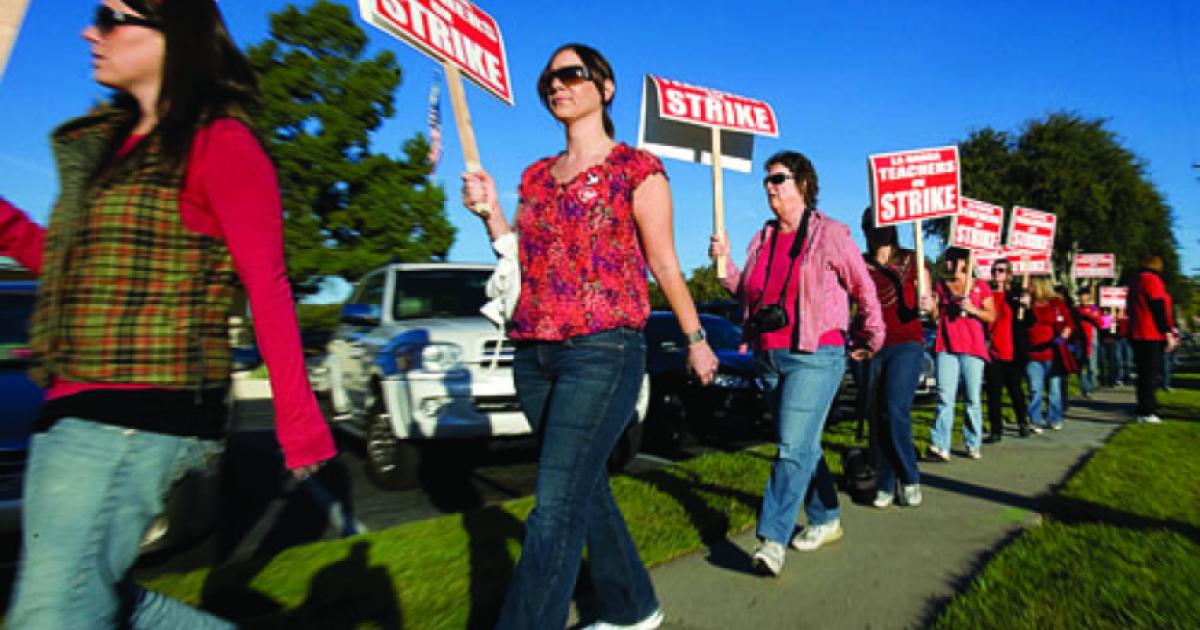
pixel 15 310
pixel 439 293
pixel 722 333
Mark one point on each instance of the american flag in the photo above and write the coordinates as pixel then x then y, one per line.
pixel 435 123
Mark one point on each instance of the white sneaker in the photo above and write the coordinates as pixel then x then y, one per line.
pixel 1036 429
pixel 938 454
pixel 1150 419
pixel 910 494
pixel 974 453
pixel 883 500
pixel 769 557
pixel 814 537
pixel 649 623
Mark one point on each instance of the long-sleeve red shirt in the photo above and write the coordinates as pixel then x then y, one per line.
pixel 230 192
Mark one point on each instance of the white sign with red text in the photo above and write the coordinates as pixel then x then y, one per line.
pixel 707 107
pixel 914 185
pixel 1023 263
pixel 1031 230
pixel 977 225
pixel 451 31
pixel 1113 297
pixel 1095 266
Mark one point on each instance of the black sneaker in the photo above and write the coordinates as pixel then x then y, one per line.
pixel 991 439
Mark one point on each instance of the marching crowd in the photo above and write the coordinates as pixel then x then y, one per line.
pixel 168 201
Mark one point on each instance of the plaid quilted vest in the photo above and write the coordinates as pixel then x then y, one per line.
pixel 127 294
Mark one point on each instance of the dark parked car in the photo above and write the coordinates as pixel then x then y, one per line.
pixel 681 409
pixel 191 507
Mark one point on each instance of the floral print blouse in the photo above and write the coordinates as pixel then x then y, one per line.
pixel 582 266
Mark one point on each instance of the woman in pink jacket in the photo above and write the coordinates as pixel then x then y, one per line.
pixel 801 270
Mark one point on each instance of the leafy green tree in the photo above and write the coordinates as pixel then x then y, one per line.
pixel 347 208
pixel 1077 169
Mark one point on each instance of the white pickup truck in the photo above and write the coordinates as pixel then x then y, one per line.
pixel 413 361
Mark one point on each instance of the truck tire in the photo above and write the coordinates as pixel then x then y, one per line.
pixel 392 464
pixel 627 446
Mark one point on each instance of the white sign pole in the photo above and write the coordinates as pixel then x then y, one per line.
pixel 462 120
pixel 12 13
pixel 718 188
pixel 919 251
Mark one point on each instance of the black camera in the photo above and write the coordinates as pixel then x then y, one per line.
pixel 767 319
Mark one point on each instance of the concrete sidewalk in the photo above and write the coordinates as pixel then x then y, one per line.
pixel 894 567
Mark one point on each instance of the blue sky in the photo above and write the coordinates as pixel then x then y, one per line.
pixel 845 80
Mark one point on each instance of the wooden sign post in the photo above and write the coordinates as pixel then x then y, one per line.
pixel 465 40
pixel 12 13
pixel 731 120
pixel 912 186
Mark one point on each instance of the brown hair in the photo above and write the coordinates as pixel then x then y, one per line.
pixel 802 169
pixel 597 66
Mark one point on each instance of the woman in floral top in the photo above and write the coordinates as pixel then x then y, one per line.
pixel 590 221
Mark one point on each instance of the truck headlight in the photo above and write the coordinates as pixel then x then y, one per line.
pixel 436 358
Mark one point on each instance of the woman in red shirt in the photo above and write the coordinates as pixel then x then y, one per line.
pixel 964 307
pixel 167 177
pixel 589 223
pixel 1050 329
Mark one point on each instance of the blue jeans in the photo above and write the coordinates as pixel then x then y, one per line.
pixel 91 490
pixel 1087 372
pixel 1038 373
pixel 800 388
pixel 950 367
pixel 895 373
pixel 580 394
pixel 1124 360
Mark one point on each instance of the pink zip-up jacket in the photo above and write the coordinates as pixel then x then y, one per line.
pixel 831 271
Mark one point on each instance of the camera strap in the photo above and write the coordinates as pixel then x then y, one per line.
pixel 793 253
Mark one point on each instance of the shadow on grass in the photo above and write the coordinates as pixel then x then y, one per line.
pixel 345 594
pixel 711 524
pixel 489 529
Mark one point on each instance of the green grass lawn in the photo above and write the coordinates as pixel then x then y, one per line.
pixel 1120 546
pixel 451 571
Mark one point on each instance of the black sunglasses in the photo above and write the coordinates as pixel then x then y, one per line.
pixel 996 270
pixel 777 178
pixel 569 76
pixel 107 19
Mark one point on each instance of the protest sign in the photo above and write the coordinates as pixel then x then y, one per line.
pixel 1095 266
pixel 451 31
pixel 911 186
pixel 461 36
pixel 1113 297
pixel 1031 230
pixel 977 226
pixel 1023 263
pixel 674 116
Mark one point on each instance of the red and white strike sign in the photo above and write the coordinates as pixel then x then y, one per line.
pixel 1095 266
pixel 451 31
pixel 915 185
pixel 977 226
pixel 1032 230
pixel 1113 297
pixel 712 108
pixel 1023 263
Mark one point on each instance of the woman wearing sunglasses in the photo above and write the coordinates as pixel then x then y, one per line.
pixel 802 269
pixel 167 201
pixel 590 221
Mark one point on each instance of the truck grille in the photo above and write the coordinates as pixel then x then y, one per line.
pixel 496 404
pixel 499 351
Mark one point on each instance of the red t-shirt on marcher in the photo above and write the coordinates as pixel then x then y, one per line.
pixel 1002 328
pixel 1141 319
pixel 1051 318
pixel 898 331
